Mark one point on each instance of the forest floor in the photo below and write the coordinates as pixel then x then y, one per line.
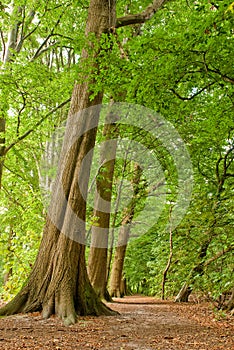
pixel 143 323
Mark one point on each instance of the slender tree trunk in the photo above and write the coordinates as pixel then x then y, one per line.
pixel 186 289
pixel 230 303
pixel 97 264
pixel 116 278
pixel 10 250
pixel 11 45
pixel 59 282
pixel 184 293
pixel 2 146
pixel 165 272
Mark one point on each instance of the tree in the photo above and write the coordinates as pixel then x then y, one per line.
pixel 97 264
pixel 116 277
pixel 2 145
pixel 192 80
pixel 33 51
pixel 28 46
pixel 58 282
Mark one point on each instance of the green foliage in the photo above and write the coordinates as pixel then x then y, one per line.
pixel 182 58
pixel 36 79
pixel 179 64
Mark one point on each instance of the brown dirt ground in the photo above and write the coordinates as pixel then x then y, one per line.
pixel 144 323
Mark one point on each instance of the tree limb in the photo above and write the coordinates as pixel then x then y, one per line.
pixel 194 95
pixel 39 50
pixel 3 43
pixel 39 53
pixel 217 71
pixel 26 21
pixel 218 255
pixel 22 137
pixel 142 16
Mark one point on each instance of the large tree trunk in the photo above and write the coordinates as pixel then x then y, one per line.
pixel 58 282
pixel 97 264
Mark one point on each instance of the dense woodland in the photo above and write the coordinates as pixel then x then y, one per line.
pixel 60 58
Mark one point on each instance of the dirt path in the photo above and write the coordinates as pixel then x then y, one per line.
pixel 144 323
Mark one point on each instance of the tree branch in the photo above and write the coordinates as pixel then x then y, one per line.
pixel 39 50
pixel 216 71
pixel 32 31
pixel 218 255
pixel 12 199
pixel 194 95
pixel 223 76
pixel 3 43
pixel 22 137
pixel 141 17
pixel 39 53
pixel 25 24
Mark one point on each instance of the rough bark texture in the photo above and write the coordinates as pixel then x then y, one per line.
pixel 58 282
pixel 116 280
pixel 97 264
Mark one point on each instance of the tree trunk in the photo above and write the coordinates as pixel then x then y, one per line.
pixel 184 293
pixel 165 272
pixel 9 256
pixel 186 289
pixel 11 45
pixel 230 303
pixel 59 282
pixel 97 264
pixel 2 146
pixel 199 268
pixel 116 280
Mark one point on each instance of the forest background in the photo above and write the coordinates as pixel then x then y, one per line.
pixel 178 64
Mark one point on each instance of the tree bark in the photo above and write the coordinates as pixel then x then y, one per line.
pixel 59 282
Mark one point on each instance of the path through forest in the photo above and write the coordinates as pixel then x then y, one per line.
pixel 144 323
